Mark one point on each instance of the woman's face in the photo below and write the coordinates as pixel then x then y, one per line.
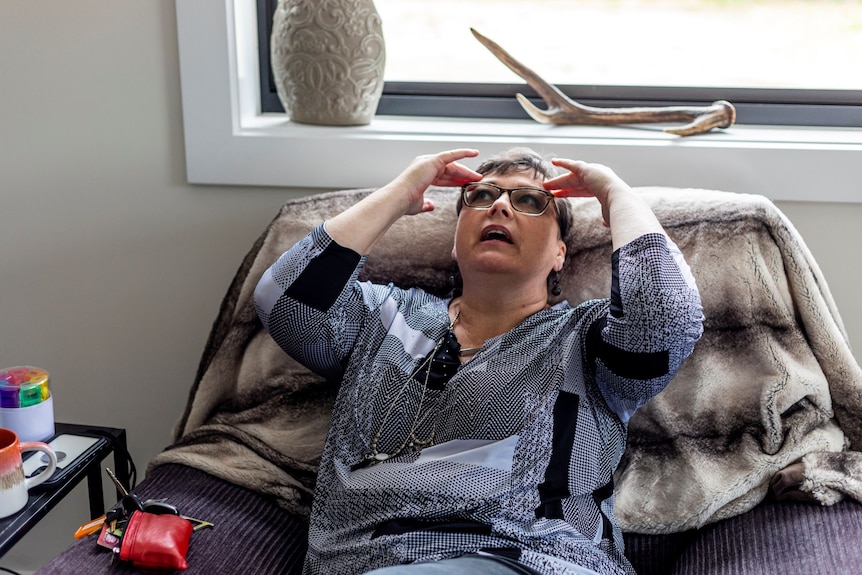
pixel 502 240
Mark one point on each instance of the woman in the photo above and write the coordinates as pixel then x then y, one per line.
pixel 479 433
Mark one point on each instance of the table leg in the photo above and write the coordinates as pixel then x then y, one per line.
pixel 94 488
pixel 121 464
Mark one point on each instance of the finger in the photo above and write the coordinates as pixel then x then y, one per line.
pixel 571 193
pixel 425 206
pixel 571 165
pixel 566 183
pixel 457 174
pixel 450 156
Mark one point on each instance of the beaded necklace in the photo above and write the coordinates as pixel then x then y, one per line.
pixel 411 441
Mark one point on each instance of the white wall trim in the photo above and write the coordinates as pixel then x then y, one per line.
pixel 228 140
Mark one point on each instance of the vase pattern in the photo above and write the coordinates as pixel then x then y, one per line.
pixel 328 58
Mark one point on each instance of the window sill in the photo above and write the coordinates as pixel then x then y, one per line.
pixel 229 142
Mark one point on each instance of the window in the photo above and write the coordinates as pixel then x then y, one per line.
pixel 230 140
pixel 787 62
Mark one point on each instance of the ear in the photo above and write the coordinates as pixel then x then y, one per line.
pixel 560 258
pixel 454 254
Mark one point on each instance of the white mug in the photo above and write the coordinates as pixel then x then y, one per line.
pixel 14 486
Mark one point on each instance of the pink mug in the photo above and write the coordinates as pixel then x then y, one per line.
pixel 14 486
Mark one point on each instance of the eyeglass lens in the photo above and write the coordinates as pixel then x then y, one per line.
pixel 526 200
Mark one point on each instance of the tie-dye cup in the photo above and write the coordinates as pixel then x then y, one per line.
pixel 14 487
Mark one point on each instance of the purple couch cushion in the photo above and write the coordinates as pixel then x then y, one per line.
pixel 251 534
pixel 656 554
pixel 779 537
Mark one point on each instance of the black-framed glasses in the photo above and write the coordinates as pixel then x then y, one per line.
pixel 528 201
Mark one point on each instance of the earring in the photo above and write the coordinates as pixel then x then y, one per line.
pixel 555 285
pixel 455 285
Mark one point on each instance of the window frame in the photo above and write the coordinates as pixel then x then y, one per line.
pixel 230 140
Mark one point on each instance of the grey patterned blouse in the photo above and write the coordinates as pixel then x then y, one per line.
pixel 512 454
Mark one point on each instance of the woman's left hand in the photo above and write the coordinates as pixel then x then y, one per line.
pixel 587 180
pixel 623 210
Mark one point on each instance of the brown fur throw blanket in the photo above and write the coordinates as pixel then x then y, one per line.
pixel 771 394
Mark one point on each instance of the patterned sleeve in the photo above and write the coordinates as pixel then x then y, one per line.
pixel 654 320
pixel 310 303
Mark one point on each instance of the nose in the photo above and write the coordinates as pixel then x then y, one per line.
pixel 502 205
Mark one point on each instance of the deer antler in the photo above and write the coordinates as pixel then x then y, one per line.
pixel 563 110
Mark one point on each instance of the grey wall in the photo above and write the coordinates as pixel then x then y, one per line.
pixel 111 266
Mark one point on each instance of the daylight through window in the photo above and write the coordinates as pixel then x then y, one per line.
pixel 796 44
pixel 779 61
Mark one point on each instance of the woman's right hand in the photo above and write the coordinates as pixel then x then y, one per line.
pixel 441 169
pixel 361 226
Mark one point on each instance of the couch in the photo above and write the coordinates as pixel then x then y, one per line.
pixel 747 463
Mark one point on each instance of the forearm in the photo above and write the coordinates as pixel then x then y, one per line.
pixel 658 301
pixel 296 295
pixel 361 226
pixel 654 320
pixel 629 216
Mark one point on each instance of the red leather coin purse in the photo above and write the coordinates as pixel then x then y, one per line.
pixel 156 542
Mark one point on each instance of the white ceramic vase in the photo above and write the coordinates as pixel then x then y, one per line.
pixel 327 59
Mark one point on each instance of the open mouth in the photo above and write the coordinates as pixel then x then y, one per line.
pixel 496 234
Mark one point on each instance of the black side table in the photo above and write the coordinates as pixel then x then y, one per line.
pixel 41 501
